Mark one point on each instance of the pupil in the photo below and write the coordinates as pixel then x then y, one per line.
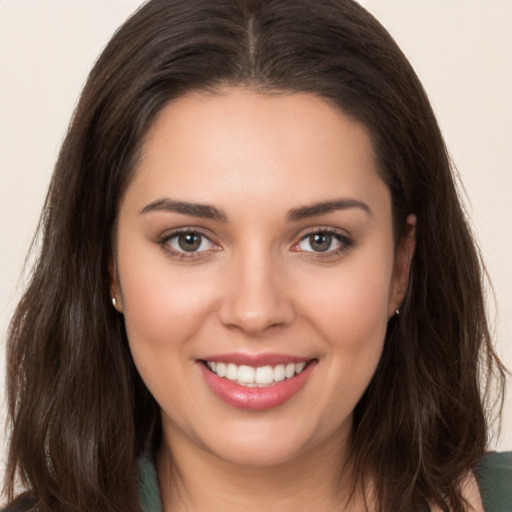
pixel 320 242
pixel 189 241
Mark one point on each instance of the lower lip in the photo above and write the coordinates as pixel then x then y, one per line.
pixel 243 397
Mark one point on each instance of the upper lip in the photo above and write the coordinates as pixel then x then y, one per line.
pixel 255 360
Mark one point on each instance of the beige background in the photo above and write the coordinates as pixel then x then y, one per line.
pixel 461 49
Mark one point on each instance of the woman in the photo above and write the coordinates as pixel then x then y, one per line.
pixel 256 284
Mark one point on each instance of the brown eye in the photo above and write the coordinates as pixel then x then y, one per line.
pixel 323 241
pixel 320 242
pixel 189 242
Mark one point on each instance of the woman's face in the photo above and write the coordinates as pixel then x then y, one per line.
pixel 256 271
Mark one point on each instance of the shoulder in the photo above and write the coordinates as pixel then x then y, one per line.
pixel 493 474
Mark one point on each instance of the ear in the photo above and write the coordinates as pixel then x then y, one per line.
pixel 402 265
pixel 115 287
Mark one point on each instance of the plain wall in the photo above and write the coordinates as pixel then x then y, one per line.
pixel 461 49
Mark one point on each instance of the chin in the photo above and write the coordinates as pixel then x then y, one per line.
pixel 264 444
pixel 258 455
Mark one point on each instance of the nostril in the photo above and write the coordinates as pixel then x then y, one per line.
pixel 256 320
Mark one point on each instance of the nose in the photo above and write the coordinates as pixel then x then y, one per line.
pixel 256 298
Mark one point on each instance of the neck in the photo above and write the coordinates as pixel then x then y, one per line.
pixel 192 479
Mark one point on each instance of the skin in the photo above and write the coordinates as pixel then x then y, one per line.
pixel 257 285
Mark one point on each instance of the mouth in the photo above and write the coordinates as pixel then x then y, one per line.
pixel 256 383
pixel 261 376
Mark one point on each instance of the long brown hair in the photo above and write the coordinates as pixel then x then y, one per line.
pixel 80 414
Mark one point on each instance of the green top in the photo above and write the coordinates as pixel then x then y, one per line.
pixel 493 473
pixel 494 476
pixel 148 485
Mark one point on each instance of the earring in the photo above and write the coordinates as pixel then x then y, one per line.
pixel 114 302
pixel 397 312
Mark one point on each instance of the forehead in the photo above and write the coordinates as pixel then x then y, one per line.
pixel 239 142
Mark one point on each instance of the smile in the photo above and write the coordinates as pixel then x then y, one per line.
pixel 261 376
pixel 258 382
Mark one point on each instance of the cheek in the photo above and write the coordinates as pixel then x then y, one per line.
pixel 351 315
pixel 164 311
pixel 164 305
pixel 351 308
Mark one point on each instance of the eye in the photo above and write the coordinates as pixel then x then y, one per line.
pixel 323 241
pixel 187 243
pixel 318 242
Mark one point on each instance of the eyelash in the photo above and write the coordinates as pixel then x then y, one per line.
pixel 164 242
pixel 345 243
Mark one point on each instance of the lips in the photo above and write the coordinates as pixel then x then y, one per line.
pixel 256 382
pixel 261 376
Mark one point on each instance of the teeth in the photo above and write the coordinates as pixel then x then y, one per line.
pixel 246 374
pixel 252 377
pixel 221 370
pixel 231 371
pixel 299 367
pixel 264 375
pixel 289 371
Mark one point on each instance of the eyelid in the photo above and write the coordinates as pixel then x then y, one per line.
pixel 164 239
pixel 341 235
pixel 344 238
pixel 331 230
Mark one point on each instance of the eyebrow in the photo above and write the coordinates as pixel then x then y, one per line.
pixel 326 207
pixel 207 211
pixel 204 211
